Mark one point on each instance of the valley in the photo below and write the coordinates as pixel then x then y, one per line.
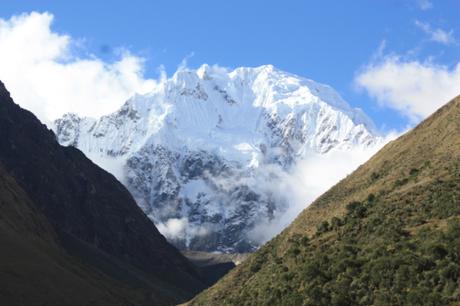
pixel 230 153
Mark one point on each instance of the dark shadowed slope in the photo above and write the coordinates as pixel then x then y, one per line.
pixel 35 271
pixel 388 234
pixel 92 216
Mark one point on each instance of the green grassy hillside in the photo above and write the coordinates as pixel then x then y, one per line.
pixel 388 234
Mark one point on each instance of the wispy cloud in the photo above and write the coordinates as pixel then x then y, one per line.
pixel 436 34
pixel 46 77
pixel 425 5
pixel 183 64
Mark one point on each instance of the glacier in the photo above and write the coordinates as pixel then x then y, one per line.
pixel 201 151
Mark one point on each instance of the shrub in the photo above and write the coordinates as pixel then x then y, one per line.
pixel 336 223
pixel 375 176
pixel 371 198
pixel 401 182
pixel 323 227
pixel 305 241
pixel 356 209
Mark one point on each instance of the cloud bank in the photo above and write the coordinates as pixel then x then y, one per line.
pixel 414 88
pixel 46 76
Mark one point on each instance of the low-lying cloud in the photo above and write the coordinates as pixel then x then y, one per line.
pixel 307 180
pixel 181 229
pixel 290 190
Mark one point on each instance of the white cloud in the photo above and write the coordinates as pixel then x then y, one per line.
pixel 425 5
pixel 43 74
pixel 416 89
pixel 181 229
pixel 174 228
pixel 437 35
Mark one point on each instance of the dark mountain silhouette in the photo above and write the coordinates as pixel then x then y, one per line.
pixel 65 218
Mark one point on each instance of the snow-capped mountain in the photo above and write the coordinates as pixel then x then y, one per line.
pixel 199 152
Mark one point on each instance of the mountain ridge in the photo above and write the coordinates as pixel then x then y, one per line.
pixel 34 269
pixel 205 136
pixel 92 215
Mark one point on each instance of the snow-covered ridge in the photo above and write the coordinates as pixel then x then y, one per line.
pixel 193 150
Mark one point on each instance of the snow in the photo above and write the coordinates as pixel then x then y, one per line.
pixel 236 122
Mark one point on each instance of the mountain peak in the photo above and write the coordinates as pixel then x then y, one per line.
pixel 263 86
pixel 191 151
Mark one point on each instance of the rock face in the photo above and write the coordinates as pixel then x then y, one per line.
pixel 200 151
pixel 93 216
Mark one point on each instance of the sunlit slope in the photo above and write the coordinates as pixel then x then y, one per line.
pixel 388 234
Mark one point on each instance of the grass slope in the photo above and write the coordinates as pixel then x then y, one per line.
pixel 388 234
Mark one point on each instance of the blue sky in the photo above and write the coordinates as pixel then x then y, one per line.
pixel 332 42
